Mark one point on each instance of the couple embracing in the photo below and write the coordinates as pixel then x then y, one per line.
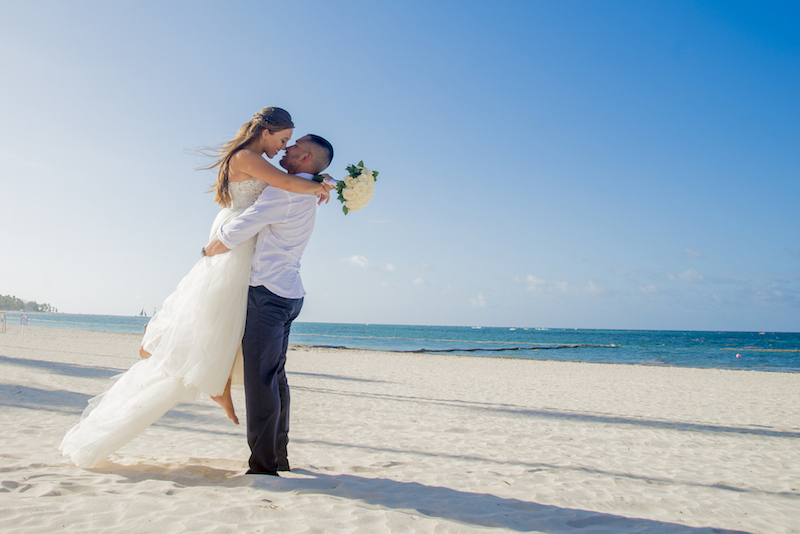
pixel 243 293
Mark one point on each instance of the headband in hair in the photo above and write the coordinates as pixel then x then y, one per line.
pixel 269 117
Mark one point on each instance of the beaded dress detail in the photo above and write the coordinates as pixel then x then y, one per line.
pixel 243 194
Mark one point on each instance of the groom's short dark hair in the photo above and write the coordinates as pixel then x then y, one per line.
pixel 327 149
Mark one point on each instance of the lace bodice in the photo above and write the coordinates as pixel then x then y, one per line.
pixel 243 194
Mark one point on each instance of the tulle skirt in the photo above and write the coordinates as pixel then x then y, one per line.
pixel 193 340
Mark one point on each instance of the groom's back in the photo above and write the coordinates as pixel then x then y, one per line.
pixel 280 245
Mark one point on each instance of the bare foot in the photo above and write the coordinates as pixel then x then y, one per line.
pixel 143 354
pixel 226 402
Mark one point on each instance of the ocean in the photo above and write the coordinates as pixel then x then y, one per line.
pixel 761 351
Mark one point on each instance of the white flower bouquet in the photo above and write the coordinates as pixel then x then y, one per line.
pixel 356 189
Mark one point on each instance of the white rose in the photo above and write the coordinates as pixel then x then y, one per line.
pixel 352 206
pixel 366 171
pixel 350 181
pixel 349 194
pixel 360 188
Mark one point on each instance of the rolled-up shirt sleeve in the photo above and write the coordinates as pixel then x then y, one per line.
pixel 271 207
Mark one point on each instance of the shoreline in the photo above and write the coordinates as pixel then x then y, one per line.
pixel 473 327
pixel 396 442
pixel 504 357
pixel 14 330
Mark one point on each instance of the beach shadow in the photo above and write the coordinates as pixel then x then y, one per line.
pixel 72 402
pixel 662 425
pixel 69 369
pixel 539 466
pixel 57 400
pixel 583 417
pixel 193 472
pixel 482 509
pixel 336 377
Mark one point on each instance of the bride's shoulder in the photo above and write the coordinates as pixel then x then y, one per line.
pixel 244 164
pixel 246 155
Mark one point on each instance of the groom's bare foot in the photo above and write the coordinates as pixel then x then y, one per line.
pixel 226 402
pixel 143 354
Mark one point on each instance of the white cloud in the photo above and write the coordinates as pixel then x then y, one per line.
pixel 418 282
pixel 479 302
pixel 534 284
pixel 561 286
pixel 690 275
pixel 593 289
pixel 692 253
pixel 649 289
pixel 363 262
pixel 384 283
pixel 359 261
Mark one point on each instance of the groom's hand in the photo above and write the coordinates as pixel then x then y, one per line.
pixel 214 248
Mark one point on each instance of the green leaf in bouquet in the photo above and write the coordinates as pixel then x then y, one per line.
pixel 345 210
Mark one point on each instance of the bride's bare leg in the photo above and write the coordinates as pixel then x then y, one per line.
pixel 226 402
pixel 143 354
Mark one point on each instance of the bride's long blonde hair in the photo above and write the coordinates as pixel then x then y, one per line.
pixel 272 119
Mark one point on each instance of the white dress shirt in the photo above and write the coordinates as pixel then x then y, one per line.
pixel 283 222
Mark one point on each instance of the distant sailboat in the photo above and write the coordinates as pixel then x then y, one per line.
pixel 142 313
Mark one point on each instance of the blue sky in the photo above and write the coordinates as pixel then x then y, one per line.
pixel 572 164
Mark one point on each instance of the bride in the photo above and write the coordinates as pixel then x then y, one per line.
pixel 190 345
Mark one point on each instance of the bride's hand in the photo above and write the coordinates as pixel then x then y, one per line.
pixel 214 248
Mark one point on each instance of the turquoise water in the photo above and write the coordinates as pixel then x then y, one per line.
pixel 766 351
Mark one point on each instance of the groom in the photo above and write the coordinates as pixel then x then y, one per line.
pixel 283 222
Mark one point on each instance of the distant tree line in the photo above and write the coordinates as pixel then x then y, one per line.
pixel 9 303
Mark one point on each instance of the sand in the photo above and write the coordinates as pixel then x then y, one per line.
pixel 385 442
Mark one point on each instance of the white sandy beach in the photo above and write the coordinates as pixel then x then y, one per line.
pixel 385 442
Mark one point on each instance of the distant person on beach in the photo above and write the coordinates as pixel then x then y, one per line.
pixel 283 222
pixel 193 340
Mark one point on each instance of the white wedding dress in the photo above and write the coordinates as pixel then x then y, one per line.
pixel 193 340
